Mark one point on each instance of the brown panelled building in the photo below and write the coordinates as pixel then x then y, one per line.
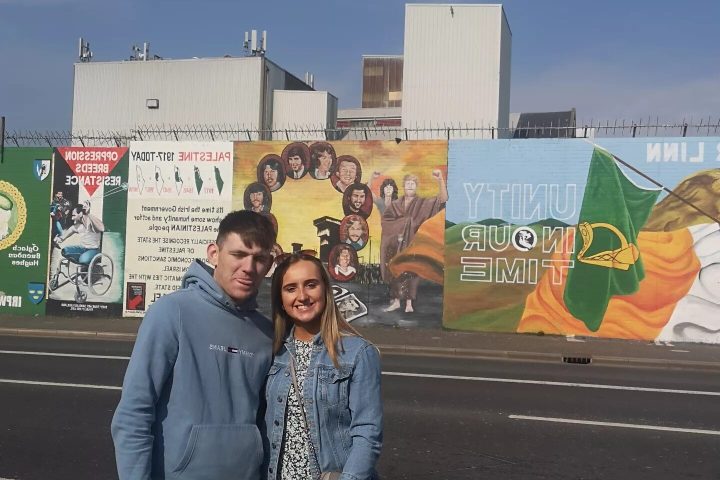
pixel 382 81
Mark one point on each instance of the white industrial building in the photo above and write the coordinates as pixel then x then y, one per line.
pixel 455 73
pixel 251 94
pixel 303 115
pixel 456 66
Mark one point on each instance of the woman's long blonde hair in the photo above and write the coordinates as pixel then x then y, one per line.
pixel 332 323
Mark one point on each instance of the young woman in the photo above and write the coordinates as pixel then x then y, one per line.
pixel 333 422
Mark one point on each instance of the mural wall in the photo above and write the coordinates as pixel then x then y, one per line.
pixel 619 238
pixel 24 193
pixel 371 210
pixel 87 231
pixel 571 237
pixel 177 194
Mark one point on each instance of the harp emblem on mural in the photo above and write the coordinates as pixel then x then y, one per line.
pixel 621 258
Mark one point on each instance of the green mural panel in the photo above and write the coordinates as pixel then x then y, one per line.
pixel 24 194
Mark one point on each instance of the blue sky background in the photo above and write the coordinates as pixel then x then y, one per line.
pixel 615 59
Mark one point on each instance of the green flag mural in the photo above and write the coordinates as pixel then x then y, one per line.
pixel 606 260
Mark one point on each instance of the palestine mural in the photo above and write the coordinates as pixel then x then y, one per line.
pixel 24 190
pixel 87 231
pixel 371 211
pixel 178 193
pixel 572 237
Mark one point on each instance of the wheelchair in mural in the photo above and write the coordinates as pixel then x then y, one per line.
pixel 89 270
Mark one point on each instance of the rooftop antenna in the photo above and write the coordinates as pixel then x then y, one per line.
pixel 309 79
pixel 143 54
pixel 251 45
pixel 84 52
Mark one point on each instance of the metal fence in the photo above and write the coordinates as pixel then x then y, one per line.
pixel 592 129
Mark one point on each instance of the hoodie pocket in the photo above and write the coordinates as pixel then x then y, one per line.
pixel 221 451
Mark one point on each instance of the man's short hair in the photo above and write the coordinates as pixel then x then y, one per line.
pixel 411 177
pixel 253 228
pixel 296 152
pixel 256 188
pixel 274 164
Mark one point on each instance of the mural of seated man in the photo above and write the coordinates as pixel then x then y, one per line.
pixel 89 228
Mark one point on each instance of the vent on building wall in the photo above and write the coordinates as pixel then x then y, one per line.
pixel 152 103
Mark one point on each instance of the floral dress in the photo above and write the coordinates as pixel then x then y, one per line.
pixel 294 456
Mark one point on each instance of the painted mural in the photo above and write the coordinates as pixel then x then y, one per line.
pixel 24 190
pixel 371 211
pixel 618 238
pixel 178 192
pixel 87 230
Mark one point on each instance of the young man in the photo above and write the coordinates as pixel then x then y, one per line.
pixel 191 395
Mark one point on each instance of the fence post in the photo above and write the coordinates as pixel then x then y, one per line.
pixel 2 139
pixel 684 130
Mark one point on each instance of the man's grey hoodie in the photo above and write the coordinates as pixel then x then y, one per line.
pixel 191 395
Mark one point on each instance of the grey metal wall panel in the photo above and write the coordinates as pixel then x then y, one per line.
pixel 505 67
pixel 451 66
pixel 111 96
pixel 303 114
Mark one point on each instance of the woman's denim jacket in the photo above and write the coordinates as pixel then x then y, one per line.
pixel 343 407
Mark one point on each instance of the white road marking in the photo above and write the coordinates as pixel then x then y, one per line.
pixel 56 384
pixel 70 355
pixel 396 374
pixel 555 384
pixel 614 424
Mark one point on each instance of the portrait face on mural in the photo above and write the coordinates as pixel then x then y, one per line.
pixel 271 173
pixel 357 199
pixel 323 160
pixel 348 172
pixel 296 158
pixel 342 264
pixel 354 231
pixel 257 198
pixel 410 185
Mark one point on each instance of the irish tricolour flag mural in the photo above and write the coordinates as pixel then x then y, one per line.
pixel 612 238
